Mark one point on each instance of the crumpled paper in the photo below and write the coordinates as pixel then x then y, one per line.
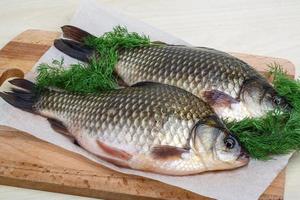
pixel 246 183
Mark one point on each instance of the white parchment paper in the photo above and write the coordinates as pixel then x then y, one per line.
pixel 244 184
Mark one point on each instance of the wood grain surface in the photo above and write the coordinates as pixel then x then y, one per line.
pixel 28 162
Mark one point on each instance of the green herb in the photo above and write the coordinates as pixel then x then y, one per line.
pixel 84 78
pixel 278 132
pixel 97 75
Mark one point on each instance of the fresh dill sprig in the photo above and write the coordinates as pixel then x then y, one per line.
pixel 278 132
pixel 83 78
pixel 116 39
pixel 97 75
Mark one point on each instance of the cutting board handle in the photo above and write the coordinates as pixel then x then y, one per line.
pixel 9 73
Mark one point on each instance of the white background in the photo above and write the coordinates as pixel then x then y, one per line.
pixel 270 28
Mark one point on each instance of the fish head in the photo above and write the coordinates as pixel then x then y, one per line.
pixel 217 148
pixel 259 97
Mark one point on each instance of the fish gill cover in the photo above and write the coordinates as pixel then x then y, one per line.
pixel 274 134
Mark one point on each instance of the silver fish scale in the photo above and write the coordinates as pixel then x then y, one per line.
pixel 141 117
pixel 193 69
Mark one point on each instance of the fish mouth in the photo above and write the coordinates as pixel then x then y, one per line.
pixel 243 158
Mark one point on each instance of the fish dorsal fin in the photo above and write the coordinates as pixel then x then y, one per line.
pixel 146 83
pixel 216 98
pixel 165 152
pixel 214 51
pixel 159 42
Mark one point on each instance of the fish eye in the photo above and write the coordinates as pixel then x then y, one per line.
pixel 229 143
pixel 277 100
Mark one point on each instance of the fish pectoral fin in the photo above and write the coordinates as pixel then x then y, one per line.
pixel 216 98
pixel 167 152
pixel 114 152
pixel 58 126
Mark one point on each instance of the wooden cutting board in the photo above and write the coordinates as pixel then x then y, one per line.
pixel 28 162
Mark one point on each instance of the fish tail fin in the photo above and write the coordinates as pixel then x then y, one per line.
pixel 19 93
pixel 75 33
pixel 74 49
pixel 23 94
pixel 74 45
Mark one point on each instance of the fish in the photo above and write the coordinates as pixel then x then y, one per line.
pixel 233 88
pixel 148 126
